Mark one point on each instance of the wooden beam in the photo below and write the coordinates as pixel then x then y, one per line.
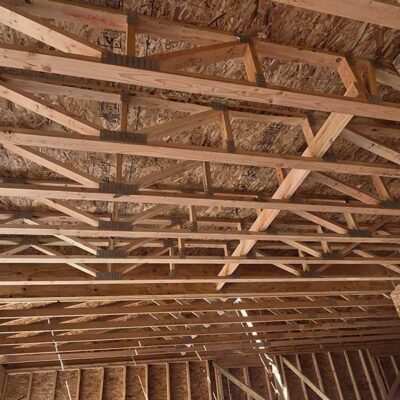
pixel 55 312
pixel 46 33
pixel 394 389
pixel 72 211
pixel 329 131
pixel 51 163
pixel 304 378
pixel 241 385
pixel 192 199
pixel 56 140
pixel 171 128
pixel 48 110
pixel 197 56
pixel 193 260
pixel 43 230
pixel 371 145
pixel 239 90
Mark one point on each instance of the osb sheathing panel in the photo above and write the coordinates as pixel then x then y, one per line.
pixel 17 387
pixel 293 382
pixel 43 385
pixel 157 382
pixel 136 383
pixel 178 381
pixel 198 381
pixel 114 383
pixel 236 392
pixel 258 380
pixel 91 385
pixel 308 369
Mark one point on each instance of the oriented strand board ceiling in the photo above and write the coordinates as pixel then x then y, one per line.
pixel 196 191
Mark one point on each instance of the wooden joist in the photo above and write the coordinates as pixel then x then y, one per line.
pixel 239 90
pixel 29 137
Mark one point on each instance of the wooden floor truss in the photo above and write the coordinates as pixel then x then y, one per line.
pixel 335 285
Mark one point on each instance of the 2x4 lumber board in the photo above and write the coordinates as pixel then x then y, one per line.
pixel 335 375
pixel 49 252
pixel 72 211
pixel 344 188
pixel 54 312
pixel 388 78
pixel 144 322
pixel 56 140
pixel 394 388
pixel 377 375
pixel 200 55
pixel 51 163
pixel 154 177
pixel 318 371
pixel 247 389
pixel 281 331
pixel 90 68
pixel 111 19
pixel 46 33
pixel 322 141
pixel 377 12
pixel 352 376
pixel 41 230
pixel 104 292
pixel 371 145
pixel 183 199
pixel 367 375
pixel 174 127
pixel 48 110
pixel 27 281
pixel 193 260
pixel 304 379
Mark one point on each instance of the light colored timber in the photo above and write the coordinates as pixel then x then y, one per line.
pixel 167 198
pixel 29 137
pixel 176 126
pixel 51 252
pixel 304 379
pixel 371 145
pixel 34 259
pixel 220 320
pixel 140 233
pixel 71 211
pixel 67 88
pixel 197 344
pixel 111 19
pixel 47 110
pixel 322 141
pixel 276 331
pixel 90 68
pixel 68 239
pixel 190 307
pixel 74 281
pixel 200 55
pixel 345 188
pixel 176 169
pixel 378 12
pixel 51 163
pixel 72 293
pixel 46 33
pixel 247 389
pixel 388 78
